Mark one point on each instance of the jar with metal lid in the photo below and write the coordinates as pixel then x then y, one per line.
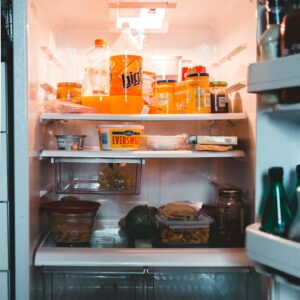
pixel 198 94
pixel 218 97
pixel 165 96
pixel 69 91
pixel 230 218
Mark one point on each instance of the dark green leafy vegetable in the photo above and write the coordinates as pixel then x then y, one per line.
pixel 139 222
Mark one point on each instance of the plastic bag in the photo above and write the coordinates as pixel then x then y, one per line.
pixel 65 107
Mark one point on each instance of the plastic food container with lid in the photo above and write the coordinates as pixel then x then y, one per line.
pixel 72 221
pixel 166 142
pixel 179 233
pixel 70 142
pixel 120 137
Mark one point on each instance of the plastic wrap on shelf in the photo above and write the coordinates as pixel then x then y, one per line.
pixel 65 107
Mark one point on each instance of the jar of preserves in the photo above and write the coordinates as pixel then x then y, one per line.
pixel 198 94
pixel 230 218
pixel 180 98
pixel 165 96
pixel 69 91
pixel 218 97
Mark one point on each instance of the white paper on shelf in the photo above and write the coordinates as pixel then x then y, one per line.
pixel 217 140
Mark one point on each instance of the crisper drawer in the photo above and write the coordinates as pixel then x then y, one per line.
pixel 4 295
pixel 211 283
pixel 3 237
pixel 64 284
pixel 98 176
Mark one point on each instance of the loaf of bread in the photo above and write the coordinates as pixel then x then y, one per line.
pixel 217 148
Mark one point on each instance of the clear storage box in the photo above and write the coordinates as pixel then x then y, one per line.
pixel 178 233
pixel 98 176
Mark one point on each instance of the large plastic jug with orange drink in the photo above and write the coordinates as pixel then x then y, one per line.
pixel 125 75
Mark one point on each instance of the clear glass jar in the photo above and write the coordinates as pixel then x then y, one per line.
pixel 230 218
pixel 218 97
pixel 165 96
pixel 69 91
pixel 198 94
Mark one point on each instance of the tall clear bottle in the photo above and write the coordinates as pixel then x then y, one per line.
pixel 277 216
pixel 126 74
pixel 97 70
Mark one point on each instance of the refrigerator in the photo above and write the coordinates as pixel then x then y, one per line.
pixel 50 42
pixel 6 136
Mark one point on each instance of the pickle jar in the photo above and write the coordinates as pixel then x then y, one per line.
pixel 180 98
pixel 198 94
pixel 165 96
pixel 219 97
pixel 230 218
pixel 69 91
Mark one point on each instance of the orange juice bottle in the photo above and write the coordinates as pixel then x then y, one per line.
pixel 125 75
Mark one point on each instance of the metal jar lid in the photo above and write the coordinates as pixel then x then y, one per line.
pixel 230 192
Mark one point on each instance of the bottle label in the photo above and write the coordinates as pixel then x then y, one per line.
pixel 126 75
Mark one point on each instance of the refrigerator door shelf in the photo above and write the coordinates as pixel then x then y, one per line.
pixel 274 74
pixel 273 251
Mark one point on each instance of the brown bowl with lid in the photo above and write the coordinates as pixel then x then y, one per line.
pixel 72 221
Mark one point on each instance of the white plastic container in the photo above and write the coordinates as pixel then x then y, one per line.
pixel 166 142
pixel 120 137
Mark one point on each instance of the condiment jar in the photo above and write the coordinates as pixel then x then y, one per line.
pixel 69 91
pixel 198 94
pixel 180 98
pixel 230 217
pixel 165 96
pixel 218 97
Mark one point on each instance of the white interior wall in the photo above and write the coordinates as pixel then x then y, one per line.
pixel 204 44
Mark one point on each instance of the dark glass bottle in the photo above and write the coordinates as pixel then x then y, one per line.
pixel 277 216
pixel 290 37
pixel 294 202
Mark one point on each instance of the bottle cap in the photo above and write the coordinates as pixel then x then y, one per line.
pixel 298 170
pixel 100 43
pixel 125 25
pixel 276 173
pixel 274 3
pixel 218 83
pixel 198 74
pixel 166 81
pixel 230 192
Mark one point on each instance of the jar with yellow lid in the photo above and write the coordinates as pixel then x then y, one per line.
pixel 198 94
pixel 218 97
pixel 180 97
pixel 165 96
pixel 69 91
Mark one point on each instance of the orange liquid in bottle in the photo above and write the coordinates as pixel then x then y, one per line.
pixel 125 84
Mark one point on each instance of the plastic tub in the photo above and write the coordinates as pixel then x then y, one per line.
pixel 70 142
pixel 120 137
pixel 166 142
pixel 179 233
pixel 72 221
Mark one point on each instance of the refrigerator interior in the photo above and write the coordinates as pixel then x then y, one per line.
pixel 57 36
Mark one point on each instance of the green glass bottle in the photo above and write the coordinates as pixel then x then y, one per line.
pixel 277 216
pixel 294 202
